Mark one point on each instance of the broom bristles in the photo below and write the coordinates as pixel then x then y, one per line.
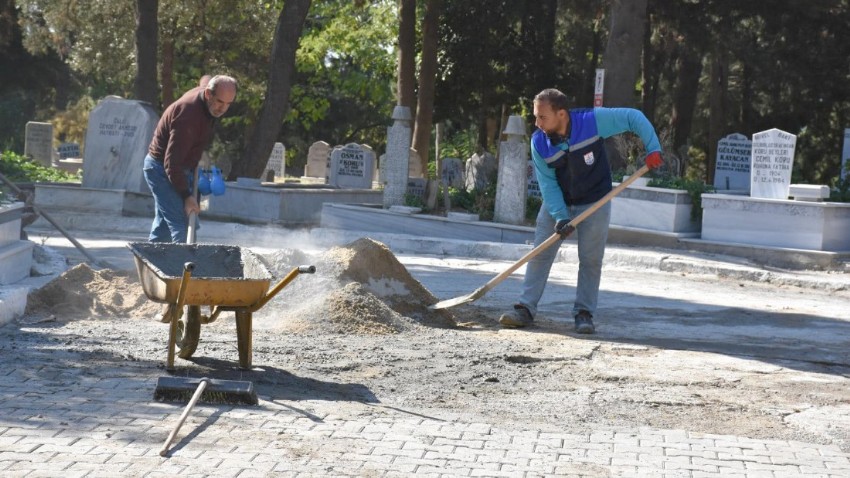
pixel 178 389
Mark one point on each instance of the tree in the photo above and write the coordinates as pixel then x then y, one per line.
pixel 427 80
pixel 407 54
pixel 146 41
pixel 281 73
pixel 622 60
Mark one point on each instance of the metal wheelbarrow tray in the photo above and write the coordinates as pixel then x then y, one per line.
pixel 222 277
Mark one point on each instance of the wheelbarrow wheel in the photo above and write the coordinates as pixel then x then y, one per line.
pixel 189 331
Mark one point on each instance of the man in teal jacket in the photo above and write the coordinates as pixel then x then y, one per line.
pixel 573 172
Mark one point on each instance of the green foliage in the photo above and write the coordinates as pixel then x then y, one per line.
pixel 477 201
pixel 460 143
pixel 840 192
pixel 412 200
pixel 532 208
pixel 22 169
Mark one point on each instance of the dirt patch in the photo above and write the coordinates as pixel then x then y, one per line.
pixel 81 292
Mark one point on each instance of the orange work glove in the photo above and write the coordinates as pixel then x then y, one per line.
pixel 653 160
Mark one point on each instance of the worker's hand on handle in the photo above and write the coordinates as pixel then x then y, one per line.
pixel 190 205
pixel 653 160
pixel 564 228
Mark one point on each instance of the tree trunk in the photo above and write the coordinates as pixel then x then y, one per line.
pixel 146 38
pixel 688 71
pixel 622 61
pixel 276 104
pixel 407 55
pixel 167 72
pixel 427 81
pixel 650 72
pixel 717 108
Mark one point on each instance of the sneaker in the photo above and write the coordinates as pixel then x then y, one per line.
pixel 518 318
pixel 584 322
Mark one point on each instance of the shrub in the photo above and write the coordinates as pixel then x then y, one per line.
pixel 19 168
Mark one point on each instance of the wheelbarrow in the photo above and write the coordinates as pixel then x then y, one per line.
pixel 225 278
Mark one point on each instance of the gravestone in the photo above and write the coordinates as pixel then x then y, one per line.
pixel 38 142
pixel 395 167
pixel 276 160
pixel 773 157
pixel 119 133
pixel 318 157
pixel 352 167
pixel 414 166
pixel 480 171
pixel 512 180
pixel 732 168
pixel 451 172
pixel 68 150
pixel 416 187
pixel 533 185
pixel 845 155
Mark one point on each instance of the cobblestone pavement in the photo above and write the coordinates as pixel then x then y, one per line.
pixel 74 409
pixel 107 425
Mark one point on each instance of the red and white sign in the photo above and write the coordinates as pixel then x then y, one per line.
pixel 600 85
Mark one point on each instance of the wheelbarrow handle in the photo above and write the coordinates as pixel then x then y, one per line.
pixel 188 268
pixel 280 285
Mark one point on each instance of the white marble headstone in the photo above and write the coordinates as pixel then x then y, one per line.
pixel 352 167
pixel 732 168
pixel 451 172
pixel 480 171
pixel 38 142
pixel 414 165
pixel 512 179
pixel 317 160
pixel 394 169
pixel 845 155
pixel 119 133
pixel 773 158
pixel 276 160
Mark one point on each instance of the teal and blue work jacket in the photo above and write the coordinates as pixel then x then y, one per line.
pixel 575 170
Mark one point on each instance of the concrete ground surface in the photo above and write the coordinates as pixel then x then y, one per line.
pixel 701 366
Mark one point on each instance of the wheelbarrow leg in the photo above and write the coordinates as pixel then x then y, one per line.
pixel 172 338
pixel 176 311
pixel 243 337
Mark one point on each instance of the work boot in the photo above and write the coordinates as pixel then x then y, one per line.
pixel 517 318
pixel 584 322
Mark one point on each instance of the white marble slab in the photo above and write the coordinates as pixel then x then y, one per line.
pixel 15 261
pixel 10 222
pixel 820 226
pixel 351 217
pixel 654 209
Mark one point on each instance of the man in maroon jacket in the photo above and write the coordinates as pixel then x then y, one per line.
pixel 183 131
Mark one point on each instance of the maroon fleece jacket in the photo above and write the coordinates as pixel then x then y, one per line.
pixel 183 131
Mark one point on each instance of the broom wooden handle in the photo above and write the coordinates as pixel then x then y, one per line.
pixel 197 396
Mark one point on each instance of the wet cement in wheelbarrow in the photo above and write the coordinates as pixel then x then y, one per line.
pixel 358 288
pixel 210 260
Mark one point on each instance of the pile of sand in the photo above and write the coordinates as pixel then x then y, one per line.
pixel 359 288
pixel 81 292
